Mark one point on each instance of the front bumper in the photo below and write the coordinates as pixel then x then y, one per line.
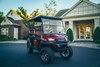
pixel 60 46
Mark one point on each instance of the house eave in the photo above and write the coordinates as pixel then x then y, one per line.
pixel 9 24
pixel 89 2
pixel 79 16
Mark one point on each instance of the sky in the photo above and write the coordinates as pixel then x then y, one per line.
pixel 31 5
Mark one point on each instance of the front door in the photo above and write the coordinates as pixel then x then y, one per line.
pixel 85 32
pixel 16 33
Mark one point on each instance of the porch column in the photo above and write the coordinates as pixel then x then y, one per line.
pixel 63 23
pixel 71 25
pixel 97 22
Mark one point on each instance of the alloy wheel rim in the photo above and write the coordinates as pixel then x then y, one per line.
pixel 65 53
pixel 44 56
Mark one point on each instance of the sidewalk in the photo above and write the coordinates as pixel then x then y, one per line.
pixel 85 44
pixel 19 41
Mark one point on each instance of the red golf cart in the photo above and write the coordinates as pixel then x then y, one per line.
pixel 48 36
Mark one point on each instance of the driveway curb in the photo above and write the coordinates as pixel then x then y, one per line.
pixel 19 41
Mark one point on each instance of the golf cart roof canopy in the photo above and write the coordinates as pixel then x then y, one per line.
pixel 38 18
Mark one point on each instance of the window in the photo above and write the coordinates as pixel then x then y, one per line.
pixel 4 31
pixel 53 26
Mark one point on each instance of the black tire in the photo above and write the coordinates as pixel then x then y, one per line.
pixel 67 53
pixel 29 48
pixel 47 55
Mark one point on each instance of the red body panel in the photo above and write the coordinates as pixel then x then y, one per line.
pixel 36 43
pixel 54 36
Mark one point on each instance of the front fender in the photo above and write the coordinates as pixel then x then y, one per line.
pixel 45 44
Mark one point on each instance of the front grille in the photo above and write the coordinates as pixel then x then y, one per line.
pixel 61 45
pixel 61 41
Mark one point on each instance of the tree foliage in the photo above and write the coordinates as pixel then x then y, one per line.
pixel 1 16
pixel 36 12
pixel 23 14
pixel 50 9
pixel 69 33
pixel 96 35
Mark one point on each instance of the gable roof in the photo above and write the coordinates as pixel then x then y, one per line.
pixel 16 22
pixel 99 4
pixel 15 11
pixel 89 2
pixel 13 21
pixel 61 12
pixel 11 11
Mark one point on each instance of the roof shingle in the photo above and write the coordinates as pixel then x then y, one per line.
pixel 61 12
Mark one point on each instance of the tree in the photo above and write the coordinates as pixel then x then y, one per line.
pixel 23 13
pixel 96 35
pixel 36 12
pixel 1 16
pixel 69 33
pixel 50 9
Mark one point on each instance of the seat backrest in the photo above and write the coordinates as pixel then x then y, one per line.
pixel 39 33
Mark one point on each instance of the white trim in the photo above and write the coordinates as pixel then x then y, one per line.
pixel 89 2
pixel 6 21
pixel 81 18
pixel 11 24
pixel 97 22
pixel 71 8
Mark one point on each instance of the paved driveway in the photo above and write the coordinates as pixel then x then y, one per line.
pixel 15 55
pixel 80 44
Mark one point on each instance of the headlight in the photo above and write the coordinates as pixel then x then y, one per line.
pixel 66 38
pixel 51 39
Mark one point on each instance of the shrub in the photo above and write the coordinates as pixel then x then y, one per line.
pixel 96 35
pixel 6 38
pixel 97 41
pixel 69 33
pixel 25 37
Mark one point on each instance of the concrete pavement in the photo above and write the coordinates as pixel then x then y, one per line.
pixel 78 44
pixel 85 44
pixel 18 41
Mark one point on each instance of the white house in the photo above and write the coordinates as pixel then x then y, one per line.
pixel 82 18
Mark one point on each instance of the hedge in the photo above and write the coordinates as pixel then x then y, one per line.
pixel 69 33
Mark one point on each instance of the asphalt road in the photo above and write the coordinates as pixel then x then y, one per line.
pixel 15 55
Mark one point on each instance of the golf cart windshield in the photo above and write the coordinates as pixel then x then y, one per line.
pixel 48 24
pixel 53 26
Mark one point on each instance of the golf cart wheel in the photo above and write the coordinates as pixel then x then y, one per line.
pixel 46 55
pixel 67 53
pixel 29 48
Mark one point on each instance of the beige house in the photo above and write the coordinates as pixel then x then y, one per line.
pixel 82 18
pixel 13 26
